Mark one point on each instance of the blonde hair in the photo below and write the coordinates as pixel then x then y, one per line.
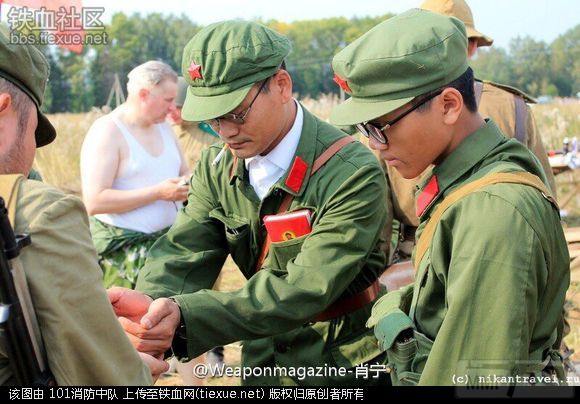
pixel 148 75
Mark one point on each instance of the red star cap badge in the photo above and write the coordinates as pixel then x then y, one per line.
pixel 342 83
pixel 194 71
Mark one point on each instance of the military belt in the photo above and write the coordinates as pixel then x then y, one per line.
pixel 349 304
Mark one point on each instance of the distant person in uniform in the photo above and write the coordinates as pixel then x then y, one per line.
pixel 483 304
pixel 133 173
pixel 84 342
pixel 192 136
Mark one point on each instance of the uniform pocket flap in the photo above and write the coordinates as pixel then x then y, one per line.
pixel 389 328
pixel 231 223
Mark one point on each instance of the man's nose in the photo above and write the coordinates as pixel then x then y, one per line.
pixel 376 145
pixel 228 130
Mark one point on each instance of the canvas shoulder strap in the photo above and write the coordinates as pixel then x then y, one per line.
pixel 524 178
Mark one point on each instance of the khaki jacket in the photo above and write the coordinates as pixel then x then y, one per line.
pixel 84 341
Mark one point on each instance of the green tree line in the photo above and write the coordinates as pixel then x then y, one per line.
pixel 79 82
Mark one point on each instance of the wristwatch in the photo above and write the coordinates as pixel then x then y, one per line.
pixel 179 343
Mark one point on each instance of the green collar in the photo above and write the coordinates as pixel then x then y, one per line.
pixel 295 180
pixel 470 152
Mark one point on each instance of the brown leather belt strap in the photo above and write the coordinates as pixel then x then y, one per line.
pixel 331 151
pixel 319 162
pixel 521 116
pixel 350 303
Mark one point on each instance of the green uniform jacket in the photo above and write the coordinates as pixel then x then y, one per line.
pixel 84 341
pixel 489 292
pixel 342 255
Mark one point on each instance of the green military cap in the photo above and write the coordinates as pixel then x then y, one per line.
pixel 458 9
pixel 223 61
pixel 26 67
pixel 403 57
pixel 181 92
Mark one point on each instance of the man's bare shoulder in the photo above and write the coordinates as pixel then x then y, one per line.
pixel 104 131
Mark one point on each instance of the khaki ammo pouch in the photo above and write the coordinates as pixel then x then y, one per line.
pixel 408 349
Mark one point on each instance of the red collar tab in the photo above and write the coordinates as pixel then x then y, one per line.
pixel 297 174
pixel 194 71
pixel 342 83
pixel 429 193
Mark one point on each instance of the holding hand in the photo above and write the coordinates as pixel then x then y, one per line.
pixel 129 303
pixel 172 189
pixel 156 365
pixel 149 324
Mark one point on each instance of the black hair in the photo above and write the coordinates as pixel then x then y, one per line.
pixel 266 88
pixel 463 84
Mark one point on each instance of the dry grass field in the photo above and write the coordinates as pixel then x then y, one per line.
pixel 58 163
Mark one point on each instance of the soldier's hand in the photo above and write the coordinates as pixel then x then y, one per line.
pixel 154 333
pixel 156 365
pixel 129 303
pixel 172 189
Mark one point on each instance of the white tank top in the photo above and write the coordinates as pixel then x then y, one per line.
pixel 143 170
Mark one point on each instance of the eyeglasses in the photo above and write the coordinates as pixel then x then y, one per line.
pixel 238 119
pixel 379 134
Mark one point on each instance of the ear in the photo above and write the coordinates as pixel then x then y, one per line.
pixel 5 102
pixel 143 94
pixel 452 105
pixel 281 83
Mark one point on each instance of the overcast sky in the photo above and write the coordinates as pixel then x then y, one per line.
pixel 500 19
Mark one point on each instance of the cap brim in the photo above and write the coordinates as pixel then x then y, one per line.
pixel 201 108
pixel 354 110
pixel 482 40
pixel 45 132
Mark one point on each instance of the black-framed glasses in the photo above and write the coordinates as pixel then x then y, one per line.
pixel 379 134
pixel 238 119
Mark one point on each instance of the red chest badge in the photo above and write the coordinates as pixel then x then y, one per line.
pixel 426 197
pixel 297 173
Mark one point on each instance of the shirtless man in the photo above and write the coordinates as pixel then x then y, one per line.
pixel 134 176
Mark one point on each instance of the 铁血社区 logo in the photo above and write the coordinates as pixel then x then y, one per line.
pixel 69 26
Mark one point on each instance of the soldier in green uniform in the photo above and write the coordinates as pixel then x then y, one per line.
pixel 193 137
pixel 84 343
pixel 507 107
pixel 308 296
pixel 482 306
